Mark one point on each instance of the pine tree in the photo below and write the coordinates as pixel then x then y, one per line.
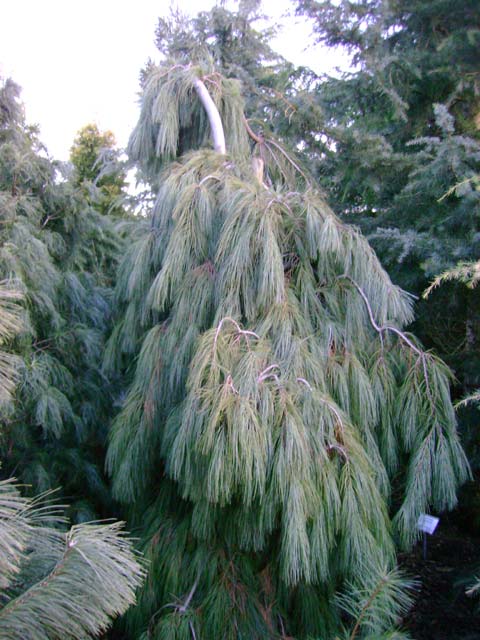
pixel 99 170
pixel 54 584
pixel 280 429
pixel 62 255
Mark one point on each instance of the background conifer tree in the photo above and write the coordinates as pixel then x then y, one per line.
pixel 99 170
pixel 400 148
pixel 398 138
pixel 61 253
pixel 280 429
pixel 54 584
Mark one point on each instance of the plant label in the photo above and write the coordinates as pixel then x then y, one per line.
pixel 427 524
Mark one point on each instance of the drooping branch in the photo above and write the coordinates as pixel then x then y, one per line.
pixel 381 329
pixel 241 332
pixel 186 604
pixel 256 138
pixel 268 144
pixel 213 116
pixel 289 159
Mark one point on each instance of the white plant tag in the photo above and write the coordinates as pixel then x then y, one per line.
pixel 427 524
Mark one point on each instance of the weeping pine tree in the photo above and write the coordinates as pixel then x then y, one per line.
pixel 280 430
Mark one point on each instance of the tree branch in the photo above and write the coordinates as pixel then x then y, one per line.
pixel 365 608
pixel 213 116
pixel 186 604
pixel 377 327
pixel 381 330
pixel 251 133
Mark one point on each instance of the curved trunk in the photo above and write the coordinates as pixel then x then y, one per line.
pixel 213 116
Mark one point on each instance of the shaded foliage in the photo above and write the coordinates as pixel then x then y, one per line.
pixel 61 254
pixel 54 584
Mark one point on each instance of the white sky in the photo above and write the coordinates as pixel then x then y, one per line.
pixel 78 61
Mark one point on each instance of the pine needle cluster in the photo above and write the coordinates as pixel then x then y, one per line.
pixel 56 583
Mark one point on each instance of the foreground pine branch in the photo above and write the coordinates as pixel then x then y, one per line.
pixel 56 584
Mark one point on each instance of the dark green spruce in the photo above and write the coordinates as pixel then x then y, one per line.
pixel 398 150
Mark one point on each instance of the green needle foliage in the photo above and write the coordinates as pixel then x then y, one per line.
pixel 56 584
pixel 10 321
pixel 61 253
pixel 377 607
pixel 280 430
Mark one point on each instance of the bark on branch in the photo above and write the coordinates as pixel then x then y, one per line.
pixel 213 116
pixel 381 329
